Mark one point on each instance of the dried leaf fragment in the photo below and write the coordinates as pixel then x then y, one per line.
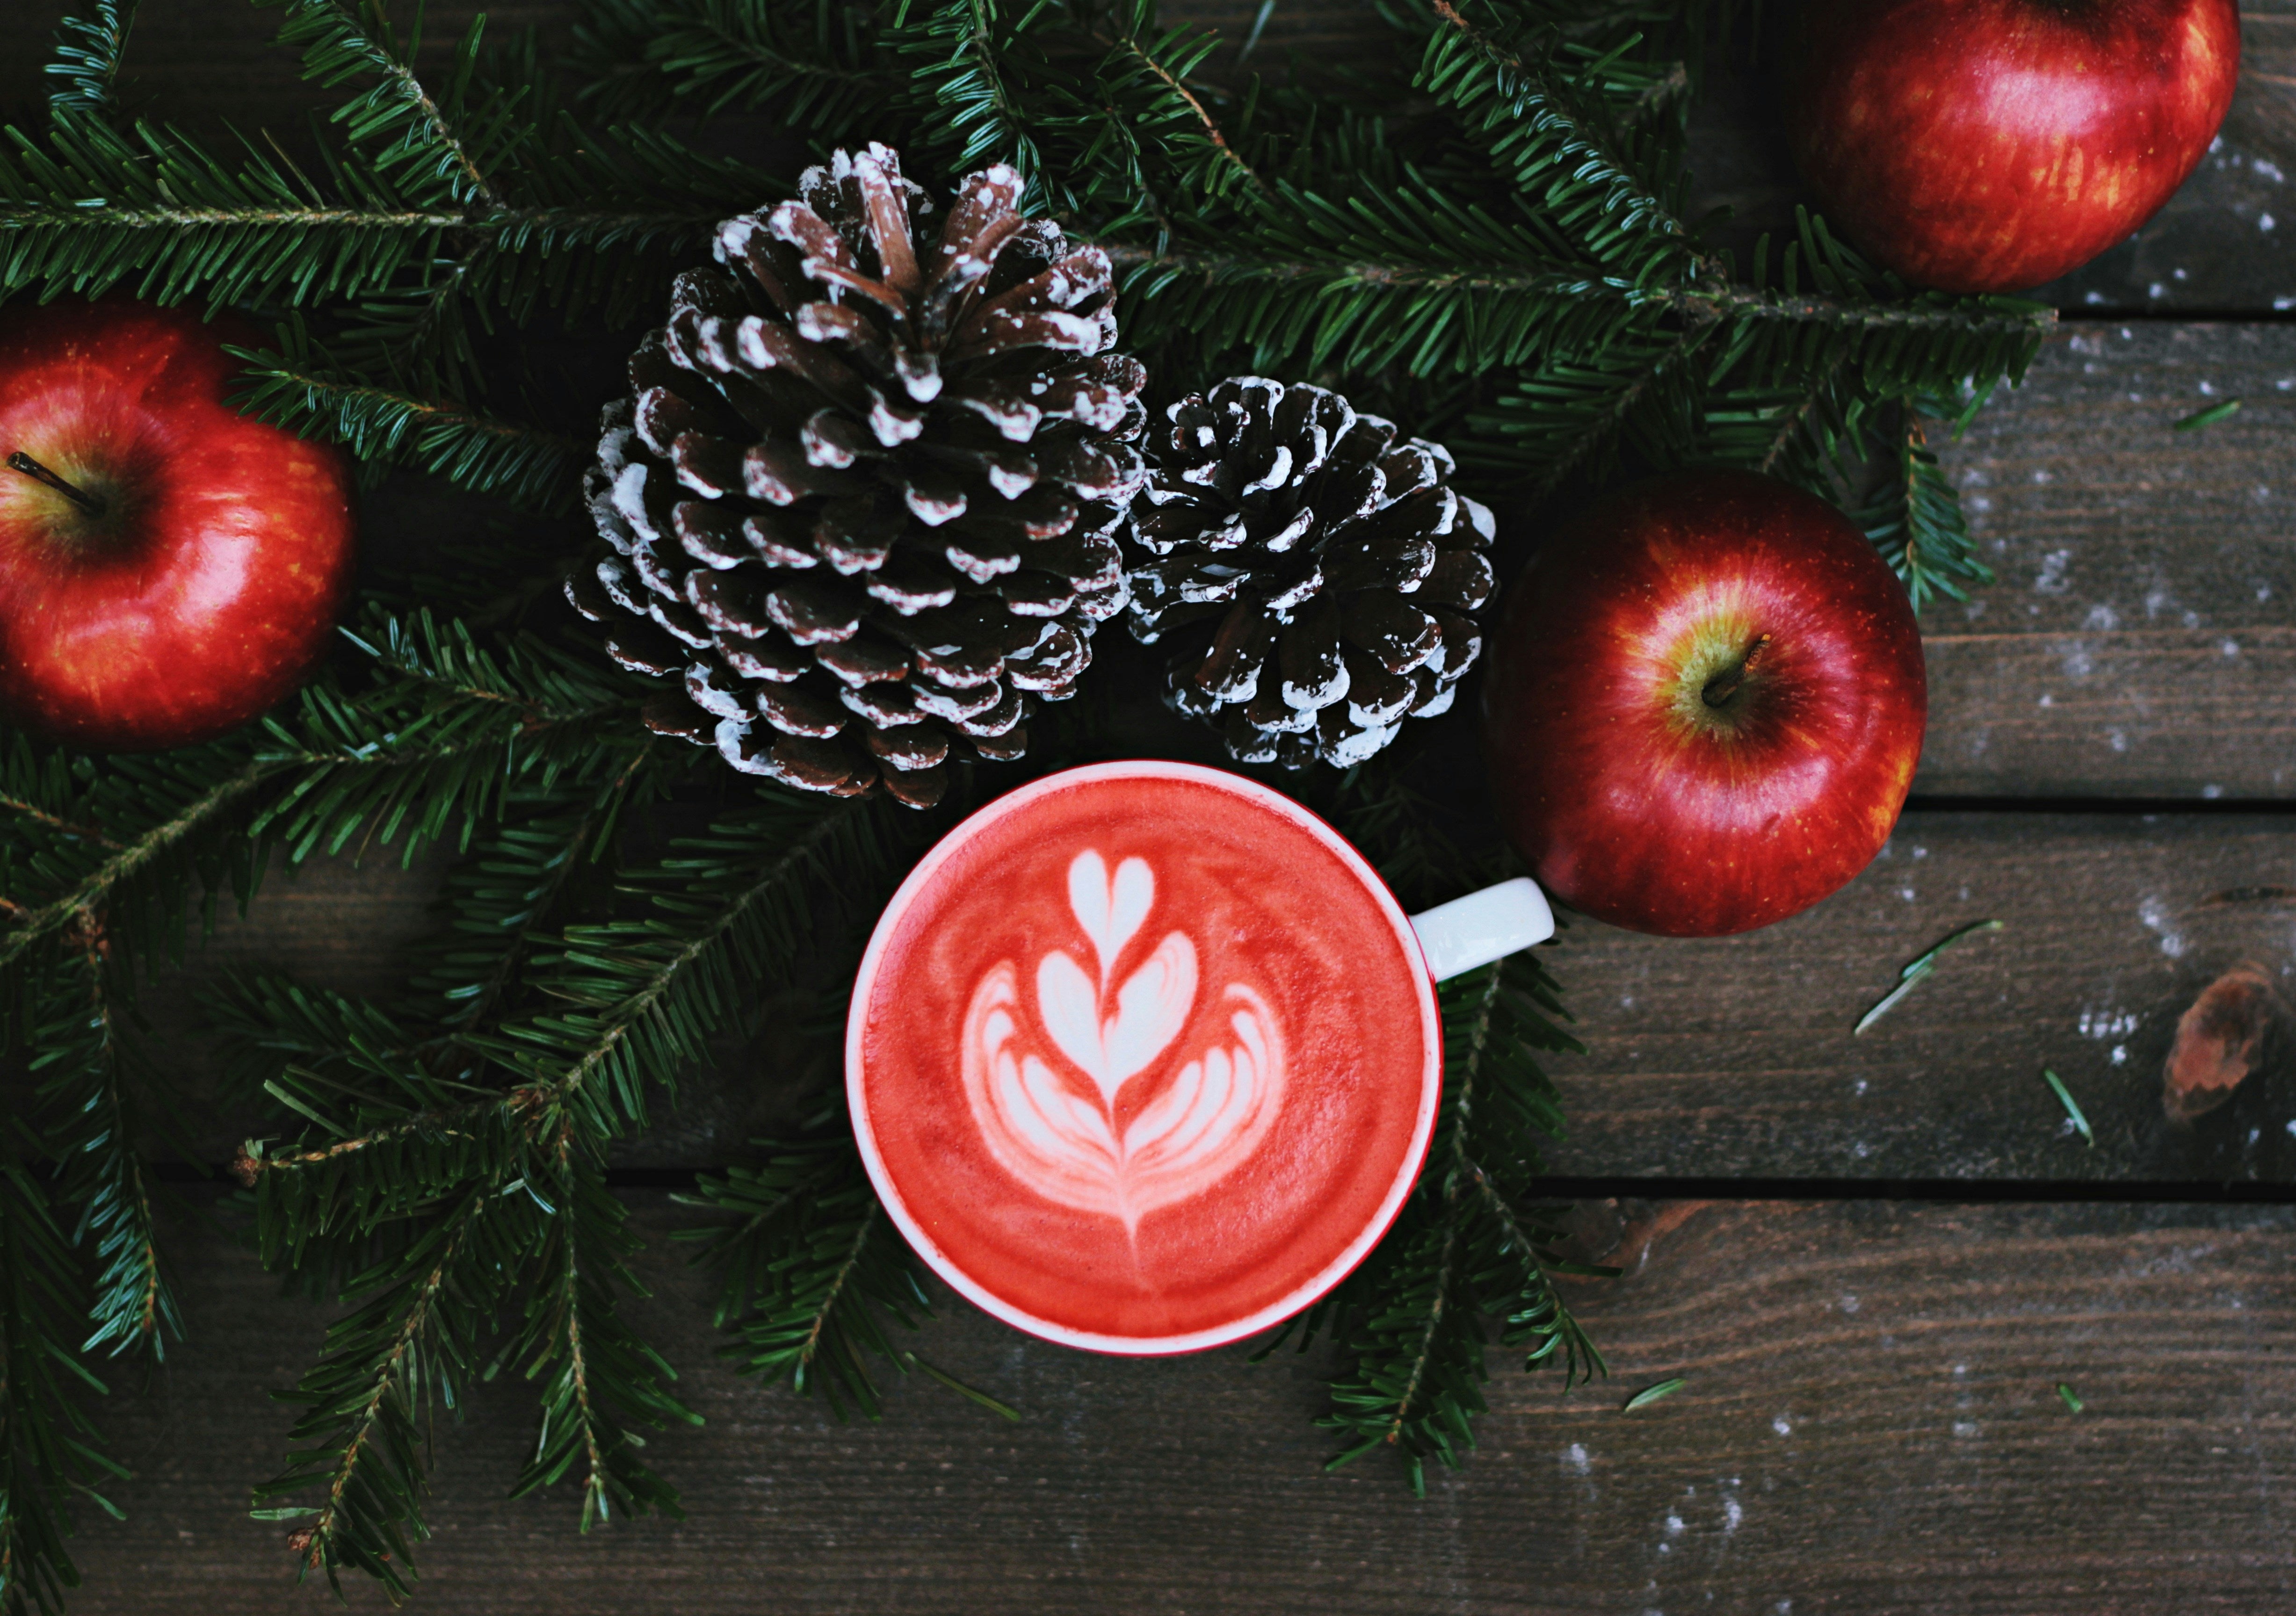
pixel 2217 1041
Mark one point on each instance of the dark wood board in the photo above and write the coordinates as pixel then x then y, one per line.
pixel 1735 1057
pixel 2141 640
pixel 1870 1426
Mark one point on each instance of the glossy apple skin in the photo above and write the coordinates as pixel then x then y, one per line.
pixel 210 586
pixel 1990 145
pixel 1633 800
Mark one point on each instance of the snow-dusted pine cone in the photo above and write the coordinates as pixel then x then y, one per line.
pixel 866 498
pixel 1317 578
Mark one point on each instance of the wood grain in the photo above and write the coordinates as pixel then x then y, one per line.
pixel 1869 1426
pixel 1733 1057
pixel 2141 640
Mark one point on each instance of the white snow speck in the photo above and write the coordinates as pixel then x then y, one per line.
pixel 2160 922
pixel 1782 1425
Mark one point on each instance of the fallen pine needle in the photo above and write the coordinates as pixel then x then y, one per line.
pixel 2072 1106
pixel 2073 1397
pixel 2209 416
pixel 1910 977
pixel 1651 1394
pixel 1002 1410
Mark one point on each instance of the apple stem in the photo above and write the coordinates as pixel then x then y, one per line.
pixel 1725 684
pixel 25 463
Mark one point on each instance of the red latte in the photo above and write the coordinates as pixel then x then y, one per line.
pixel 1142 1058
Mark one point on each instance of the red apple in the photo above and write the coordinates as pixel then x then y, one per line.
pixel 168 568
pixel 1989 145
pixel 1704 705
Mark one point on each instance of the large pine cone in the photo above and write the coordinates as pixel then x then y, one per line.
pixel 1317 578
pixel 865 501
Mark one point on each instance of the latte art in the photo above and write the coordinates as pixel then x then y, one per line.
pixel 1142 1058
pixel 1060 1136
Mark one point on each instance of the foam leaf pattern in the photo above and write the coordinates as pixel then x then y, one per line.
pixel 1060 1137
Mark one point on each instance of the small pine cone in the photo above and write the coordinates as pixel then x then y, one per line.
pixel 865 501
pixel 1317 579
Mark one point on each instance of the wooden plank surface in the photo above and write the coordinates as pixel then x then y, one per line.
pixel 1870 1426
pixel 2141 640
pixel 1733 1057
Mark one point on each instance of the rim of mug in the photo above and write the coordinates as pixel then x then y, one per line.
pixel 1302 1296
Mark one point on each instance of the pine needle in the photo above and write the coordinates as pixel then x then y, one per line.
pixel 2071 1397
pixel 972 1393
pixel 1648 1395
pixel 2072 1108
pixel 2209 416
pixel 1911 977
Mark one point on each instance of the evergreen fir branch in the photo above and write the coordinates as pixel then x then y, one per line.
pixel 1917 522
pixel 88 50
pixel 1148 108
pixel 388 1131
pixel 1462 1252
pixel 453 726
pixel 812 1273
pixel 92 207
pixel 1570 415
pixel 1416 1386
pixel 504 899
pixel 965 52
pixel 1496 300
pixel 1543 134
pixel 82 1058
pixel 415 133
pixel 296 386
pixel 47 1456
pixel 1536 1317
pixel 600 1377
pixel 811 64
pixel 408 1347
pixel 101 887
pixel 644 996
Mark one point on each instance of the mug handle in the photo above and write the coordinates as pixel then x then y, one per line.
pixel 1483 926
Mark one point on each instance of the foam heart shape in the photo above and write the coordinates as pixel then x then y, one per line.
pixel 1151 1007
pixel 1109 910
